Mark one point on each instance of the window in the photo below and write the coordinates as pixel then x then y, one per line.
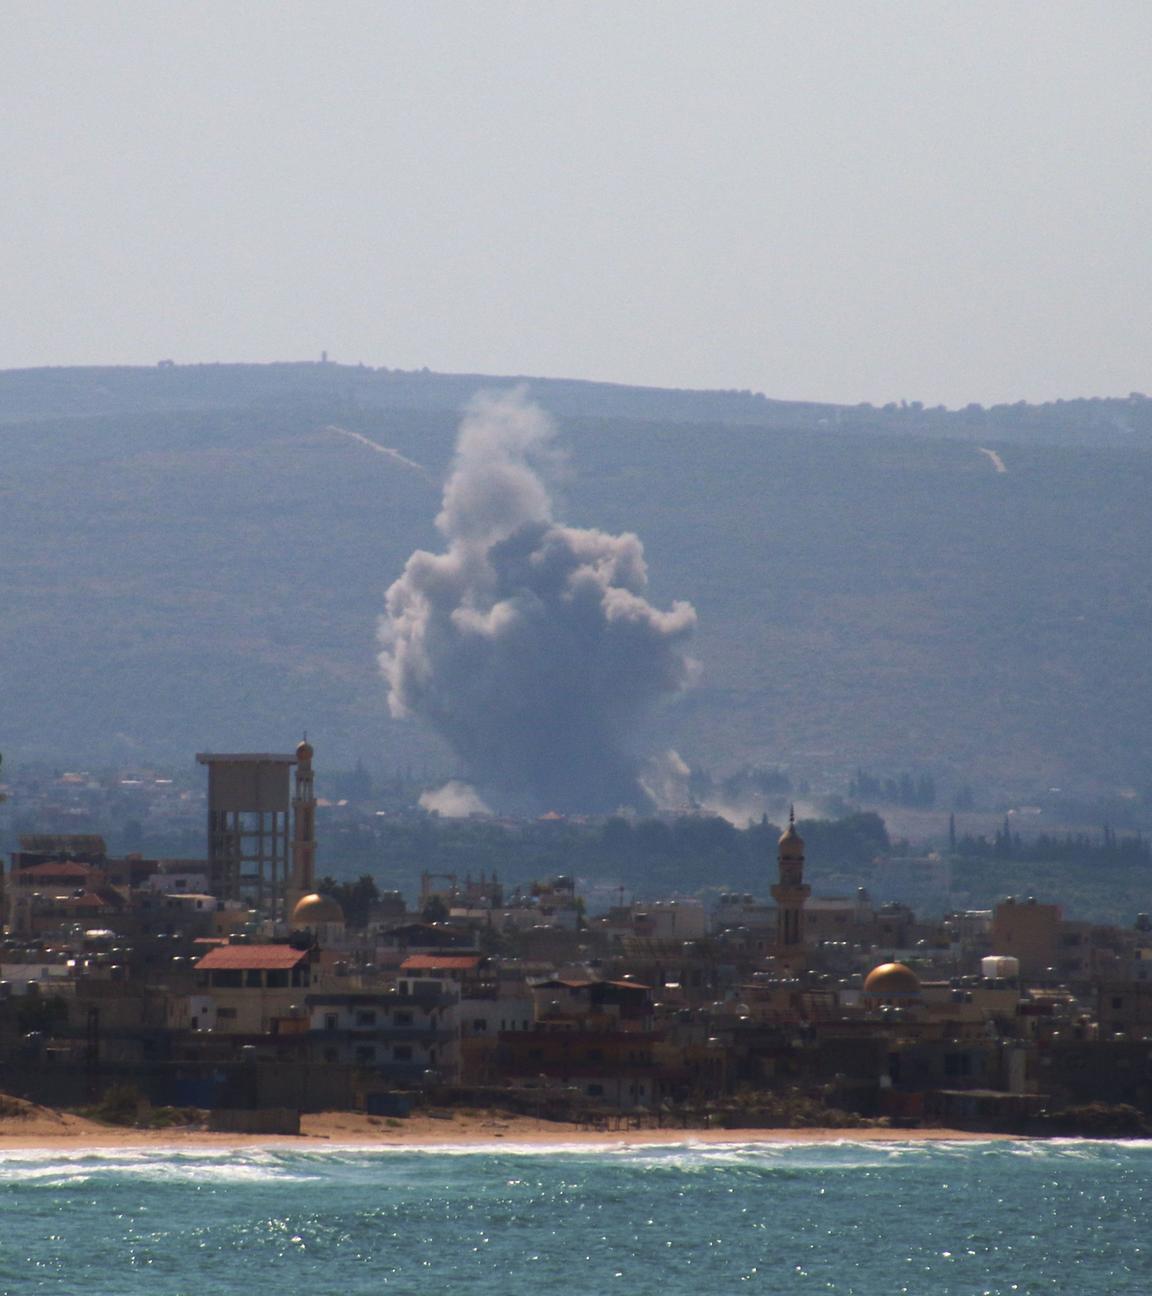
pixel 402 1052
pixel 252 979
pixel 227 978
pixel 366 1017
pixel 226 1014
pixel 595 1091
pixel 331 1021
pixel 1117 1001
pixel 365 1053
pixel 480 1024
pixel 278 980
pixel 402 1018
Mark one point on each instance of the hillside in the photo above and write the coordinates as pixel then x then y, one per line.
pixel 193 559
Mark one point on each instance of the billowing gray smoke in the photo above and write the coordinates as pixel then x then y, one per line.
pixel 529 646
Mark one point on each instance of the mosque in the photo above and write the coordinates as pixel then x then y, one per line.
pixel 307 910
pixel 890 985
pixel 791 893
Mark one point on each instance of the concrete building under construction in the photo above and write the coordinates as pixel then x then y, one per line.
pixel 261 838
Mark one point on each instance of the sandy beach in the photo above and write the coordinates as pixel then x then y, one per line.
pixel 44 1128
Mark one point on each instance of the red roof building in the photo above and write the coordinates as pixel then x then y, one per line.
pixel 251 958
pixel 252 985
pixel 59 872
pixel 441 963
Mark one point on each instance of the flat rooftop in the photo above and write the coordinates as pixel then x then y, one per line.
pixel 245 758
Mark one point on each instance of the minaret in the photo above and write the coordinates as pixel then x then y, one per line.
pixel 303 881
pixel 790 892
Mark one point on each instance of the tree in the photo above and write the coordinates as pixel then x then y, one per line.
pixel 355 898
pixel 435 911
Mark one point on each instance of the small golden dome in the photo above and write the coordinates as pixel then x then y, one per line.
pixel 892 979
pixel 314 909
pixel 790 839
pixel 791 843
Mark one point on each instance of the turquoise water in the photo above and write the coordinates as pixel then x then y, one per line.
pixel 854 1219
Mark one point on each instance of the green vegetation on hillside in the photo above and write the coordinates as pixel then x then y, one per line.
pixel 200 564
pixel 1097 879
pixel 650 857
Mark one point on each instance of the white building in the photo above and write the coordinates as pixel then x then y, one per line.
pixel 402 1037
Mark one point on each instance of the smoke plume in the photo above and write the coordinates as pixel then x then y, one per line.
pixel 455 800
pixel 529 645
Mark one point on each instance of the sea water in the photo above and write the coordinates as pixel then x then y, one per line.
pixel 858 1219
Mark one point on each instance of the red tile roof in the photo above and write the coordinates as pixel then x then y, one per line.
pixel 57 869
pixel 445 962
pixel 89 900
pixel 251 958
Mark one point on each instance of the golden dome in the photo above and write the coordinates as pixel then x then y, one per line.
pixel 314 909
pixel 791 843
pixel 892 979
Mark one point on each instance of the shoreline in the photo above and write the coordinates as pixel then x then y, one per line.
pixel 60 1131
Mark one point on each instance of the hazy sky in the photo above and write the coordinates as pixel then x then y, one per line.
pixel 841 201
